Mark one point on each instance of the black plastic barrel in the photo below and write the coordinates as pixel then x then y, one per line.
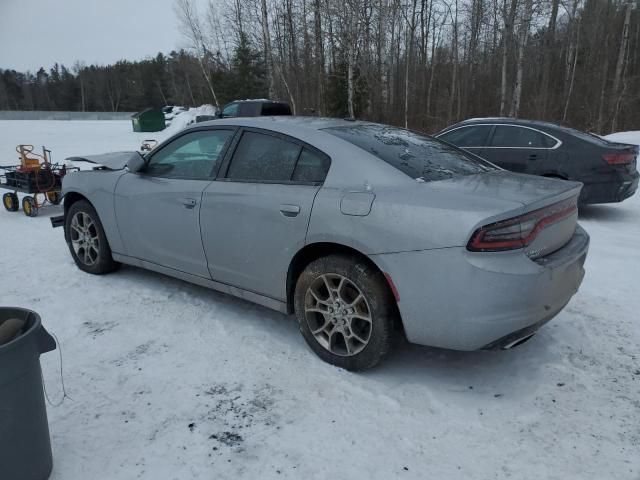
pixel 25 447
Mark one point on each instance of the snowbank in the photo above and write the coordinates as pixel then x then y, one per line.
pixel 184 119
pixel 632 137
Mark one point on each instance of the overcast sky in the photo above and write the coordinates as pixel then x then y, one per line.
pixel 35 33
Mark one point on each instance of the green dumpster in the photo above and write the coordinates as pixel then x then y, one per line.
pixel 149 120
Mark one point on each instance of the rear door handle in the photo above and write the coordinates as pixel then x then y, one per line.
pixel 533 156
pixel 289 210
pixel 188 202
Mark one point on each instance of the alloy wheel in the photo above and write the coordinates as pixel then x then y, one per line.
pixel 84 238
pixel 338 314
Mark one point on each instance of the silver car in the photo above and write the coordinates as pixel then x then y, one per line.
pixel 354 227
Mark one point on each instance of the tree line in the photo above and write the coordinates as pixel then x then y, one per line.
pixel 423 64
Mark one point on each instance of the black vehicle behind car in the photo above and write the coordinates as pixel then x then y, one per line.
pixel 607 169
pixel 255 108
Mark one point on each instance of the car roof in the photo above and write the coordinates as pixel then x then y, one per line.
pixel 257 100
pixel 284 123
pixel 507 120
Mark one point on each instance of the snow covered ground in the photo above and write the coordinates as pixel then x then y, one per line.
pixel 172 381
pixel 624 137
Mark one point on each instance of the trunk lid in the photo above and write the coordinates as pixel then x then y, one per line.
pixel 521 195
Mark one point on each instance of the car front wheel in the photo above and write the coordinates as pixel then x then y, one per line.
pixel 344 310
pixel 86 239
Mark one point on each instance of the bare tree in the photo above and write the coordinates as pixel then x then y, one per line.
pixel 192 29
pixel 523 35
pixel 507 38
pixel 616 93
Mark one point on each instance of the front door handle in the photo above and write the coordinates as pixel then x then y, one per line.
pixel 289 210
pixel 533 156
pixel 188 202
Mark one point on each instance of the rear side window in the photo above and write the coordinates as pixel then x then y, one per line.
pixel 418 156
pixel 273 109
pixel 248 109
pixel 311 167
pixel 263 158
pixel 518 137
pixel 475 136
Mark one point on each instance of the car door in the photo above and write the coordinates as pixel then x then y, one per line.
pixel 158 208
pixel 472 138
pixel 518 148
pixel 255 218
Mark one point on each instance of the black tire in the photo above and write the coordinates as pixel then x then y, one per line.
pixel 11 202
pixel 379 302
pixel 101 262
pixel 29 206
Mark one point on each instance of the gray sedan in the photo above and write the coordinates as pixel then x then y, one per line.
pixel 354 227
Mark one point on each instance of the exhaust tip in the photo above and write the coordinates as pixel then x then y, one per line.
pixel 518 341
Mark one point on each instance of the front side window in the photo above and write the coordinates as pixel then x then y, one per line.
pixel 518 137
pixel 194 155
pixel 418 156
pixel 474 136
pixel 230 110
pixel 263 158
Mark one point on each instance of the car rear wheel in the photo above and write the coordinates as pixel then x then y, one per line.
pixel 344 310
pixel 87 241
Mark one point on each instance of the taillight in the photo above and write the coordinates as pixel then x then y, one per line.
pixel 621 158
pixel 520 231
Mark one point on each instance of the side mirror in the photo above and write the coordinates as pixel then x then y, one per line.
pixel 136 163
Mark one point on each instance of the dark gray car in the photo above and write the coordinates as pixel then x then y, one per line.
pixel 255 108
pixel 350 225
pixel 607 169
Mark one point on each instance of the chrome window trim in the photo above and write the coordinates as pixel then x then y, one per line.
pixel 557 140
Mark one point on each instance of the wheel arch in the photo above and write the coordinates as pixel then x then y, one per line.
pixel 72 197
pixel 69 199
pixel 312 252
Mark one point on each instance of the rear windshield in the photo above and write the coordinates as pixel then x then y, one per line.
pixel 586 136
pixel 418 156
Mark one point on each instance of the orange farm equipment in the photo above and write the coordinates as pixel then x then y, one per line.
pixel 36 176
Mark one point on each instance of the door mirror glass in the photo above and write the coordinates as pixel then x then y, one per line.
pixel 136 163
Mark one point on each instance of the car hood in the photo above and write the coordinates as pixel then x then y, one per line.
pixel 110 161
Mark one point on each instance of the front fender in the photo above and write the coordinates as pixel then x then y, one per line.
pixel 98 187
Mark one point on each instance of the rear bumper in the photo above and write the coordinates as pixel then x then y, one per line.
pixel 610 192
pixel 453 298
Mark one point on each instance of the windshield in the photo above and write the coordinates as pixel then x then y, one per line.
pixel 419 156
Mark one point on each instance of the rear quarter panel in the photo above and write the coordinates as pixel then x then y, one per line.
pixel 415 217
